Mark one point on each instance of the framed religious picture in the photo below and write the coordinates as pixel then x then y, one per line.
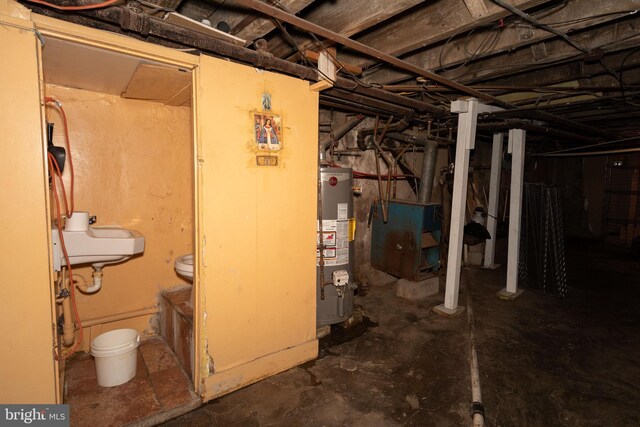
pixel 268 131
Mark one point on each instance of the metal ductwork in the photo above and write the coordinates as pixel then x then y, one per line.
pixel 427 174
pixel 338 133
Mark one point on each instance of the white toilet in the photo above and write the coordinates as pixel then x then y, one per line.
pixel 184 266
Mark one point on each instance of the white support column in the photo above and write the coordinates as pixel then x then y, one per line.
pixel 494 201
pixel 467 119
pixel 516 148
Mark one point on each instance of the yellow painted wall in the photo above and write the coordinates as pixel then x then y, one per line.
pixel 27 367
pixel 133 164
pixel 257 234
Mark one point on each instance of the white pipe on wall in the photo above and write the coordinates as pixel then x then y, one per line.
pixel 68 328
pixel 120 316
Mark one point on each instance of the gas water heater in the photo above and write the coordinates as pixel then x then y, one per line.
pixel 335 251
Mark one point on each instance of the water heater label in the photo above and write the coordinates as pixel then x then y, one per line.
pixel 343 211
pixel 336 242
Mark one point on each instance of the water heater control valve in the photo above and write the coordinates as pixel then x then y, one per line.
pixel 340 278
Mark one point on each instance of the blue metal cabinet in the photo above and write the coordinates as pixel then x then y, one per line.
pixel 408 244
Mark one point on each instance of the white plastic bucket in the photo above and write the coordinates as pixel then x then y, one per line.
pixel 116 356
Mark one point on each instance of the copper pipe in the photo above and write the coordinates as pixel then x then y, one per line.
pixel 377 154
pixel 383 201
pixel 388 195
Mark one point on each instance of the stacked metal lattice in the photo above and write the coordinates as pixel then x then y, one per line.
pixel 542 254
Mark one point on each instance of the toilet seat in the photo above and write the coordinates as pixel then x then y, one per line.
pixel 184 266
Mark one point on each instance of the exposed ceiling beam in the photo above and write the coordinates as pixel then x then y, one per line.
pixel 484 126
pixel 513 88
pixel 609 38
pixel 370 102
pixel 477 8
pixel 162 32
pixel 577 70
pixel 260 26
pixel 243 22
pixel 357 46
pixel 352 44
pixel 225 11
pixel 431 24
pixel 497 40
pixel 344 17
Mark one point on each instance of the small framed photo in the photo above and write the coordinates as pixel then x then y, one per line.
pixel 268 131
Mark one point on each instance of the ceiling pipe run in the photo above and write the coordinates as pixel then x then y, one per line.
pixel 352 107
pixel 535 114
pixel 361 99
pixel 508 88
pixel 338 133
pixel 417 137
pixel 593 153
pixel 384 95
pixel 398 126
pixel 535 128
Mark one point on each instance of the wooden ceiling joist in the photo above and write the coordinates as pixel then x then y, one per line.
pixel 504 39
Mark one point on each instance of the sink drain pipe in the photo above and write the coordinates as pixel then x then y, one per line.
pixel 93 287
pixel 477 408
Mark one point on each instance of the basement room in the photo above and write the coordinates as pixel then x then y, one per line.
pixel 320 212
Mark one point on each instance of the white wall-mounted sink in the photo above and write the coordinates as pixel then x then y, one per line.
pixel 96 245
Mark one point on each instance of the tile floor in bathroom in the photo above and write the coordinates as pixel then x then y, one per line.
pixel 159 391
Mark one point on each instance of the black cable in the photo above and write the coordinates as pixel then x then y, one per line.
pixel 290 39
pixel 492 31
pixel 621 72
pixel 545 27
pixel 589 18
pixel 537 64
pixel 355 78
pixel 530 19
pixel 588 146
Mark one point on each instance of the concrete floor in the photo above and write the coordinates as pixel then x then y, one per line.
pixel 543 361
